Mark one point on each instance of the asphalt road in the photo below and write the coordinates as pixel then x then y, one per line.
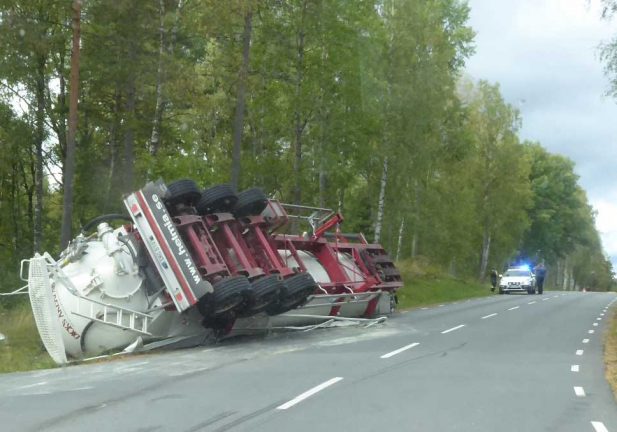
pixel 503 363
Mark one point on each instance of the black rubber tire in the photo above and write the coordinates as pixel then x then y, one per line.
pixel 217 199
pixel 228 294
pixel 382 259
pixel 183 191
pixel 251 202
pixel 390 272
pixel 264 292
pixel 295 291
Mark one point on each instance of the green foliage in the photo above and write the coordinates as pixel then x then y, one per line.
pixel 333 87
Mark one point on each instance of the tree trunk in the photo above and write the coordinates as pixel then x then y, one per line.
pixel 69 164
pixel 240 100
pixel 486 247
pixel 155 136
pixel 400 239
pixel 298 123
pixel 382 200
pixel 38 154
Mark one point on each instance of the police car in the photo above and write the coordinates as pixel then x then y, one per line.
pixel 518 279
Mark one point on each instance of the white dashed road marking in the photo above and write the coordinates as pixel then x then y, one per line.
pixel 579 352
pixel 513 308
pixel 591 331
pixel 599 426
pixel 595 324
pixel 307 394
pixel 574 368
pixel 585 340
pixel 532 302
pixel 545 299
pixel 453 329
pixel 579 391
pixel 489 316
pixel 400 350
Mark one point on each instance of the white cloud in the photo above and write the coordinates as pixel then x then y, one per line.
pixel 545 52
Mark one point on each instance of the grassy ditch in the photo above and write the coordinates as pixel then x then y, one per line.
pixel 610 352
pixel 425 285
pixel 22 350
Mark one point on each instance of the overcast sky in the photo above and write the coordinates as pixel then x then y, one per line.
pixel 544 54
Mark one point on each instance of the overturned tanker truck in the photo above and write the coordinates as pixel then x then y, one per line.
pixel 188 263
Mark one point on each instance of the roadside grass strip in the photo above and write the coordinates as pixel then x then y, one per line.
pixel 453 329
pixel 610 351
pixel 307 394
pixel 400 350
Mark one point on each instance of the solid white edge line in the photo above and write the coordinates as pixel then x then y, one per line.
pixel 599 426
pixel 574 368
pixel 308 393
pixel 400 350
pixel 579 391
pixel 489 316
pixel 532 302
pixel 453 328
pixel 585 340
pixel 513 308
pixel 579 352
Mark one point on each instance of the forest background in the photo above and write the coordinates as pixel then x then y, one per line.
pixel 359 105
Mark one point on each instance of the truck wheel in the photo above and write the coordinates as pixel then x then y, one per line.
pixel 183 191
pixel 217 199
pixel 251 202
pixel 294 293
pixel 228 294
pixel 264 292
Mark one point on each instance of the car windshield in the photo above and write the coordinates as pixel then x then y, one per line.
pixel 518 273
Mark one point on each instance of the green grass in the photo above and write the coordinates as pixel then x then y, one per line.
pixel 425 285
pixel 22 350
pixel 610 352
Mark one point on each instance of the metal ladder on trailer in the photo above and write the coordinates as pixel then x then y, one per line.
pixel 113 315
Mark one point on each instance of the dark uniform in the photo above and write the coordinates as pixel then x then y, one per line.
pixel 540 272
pixel 494 277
